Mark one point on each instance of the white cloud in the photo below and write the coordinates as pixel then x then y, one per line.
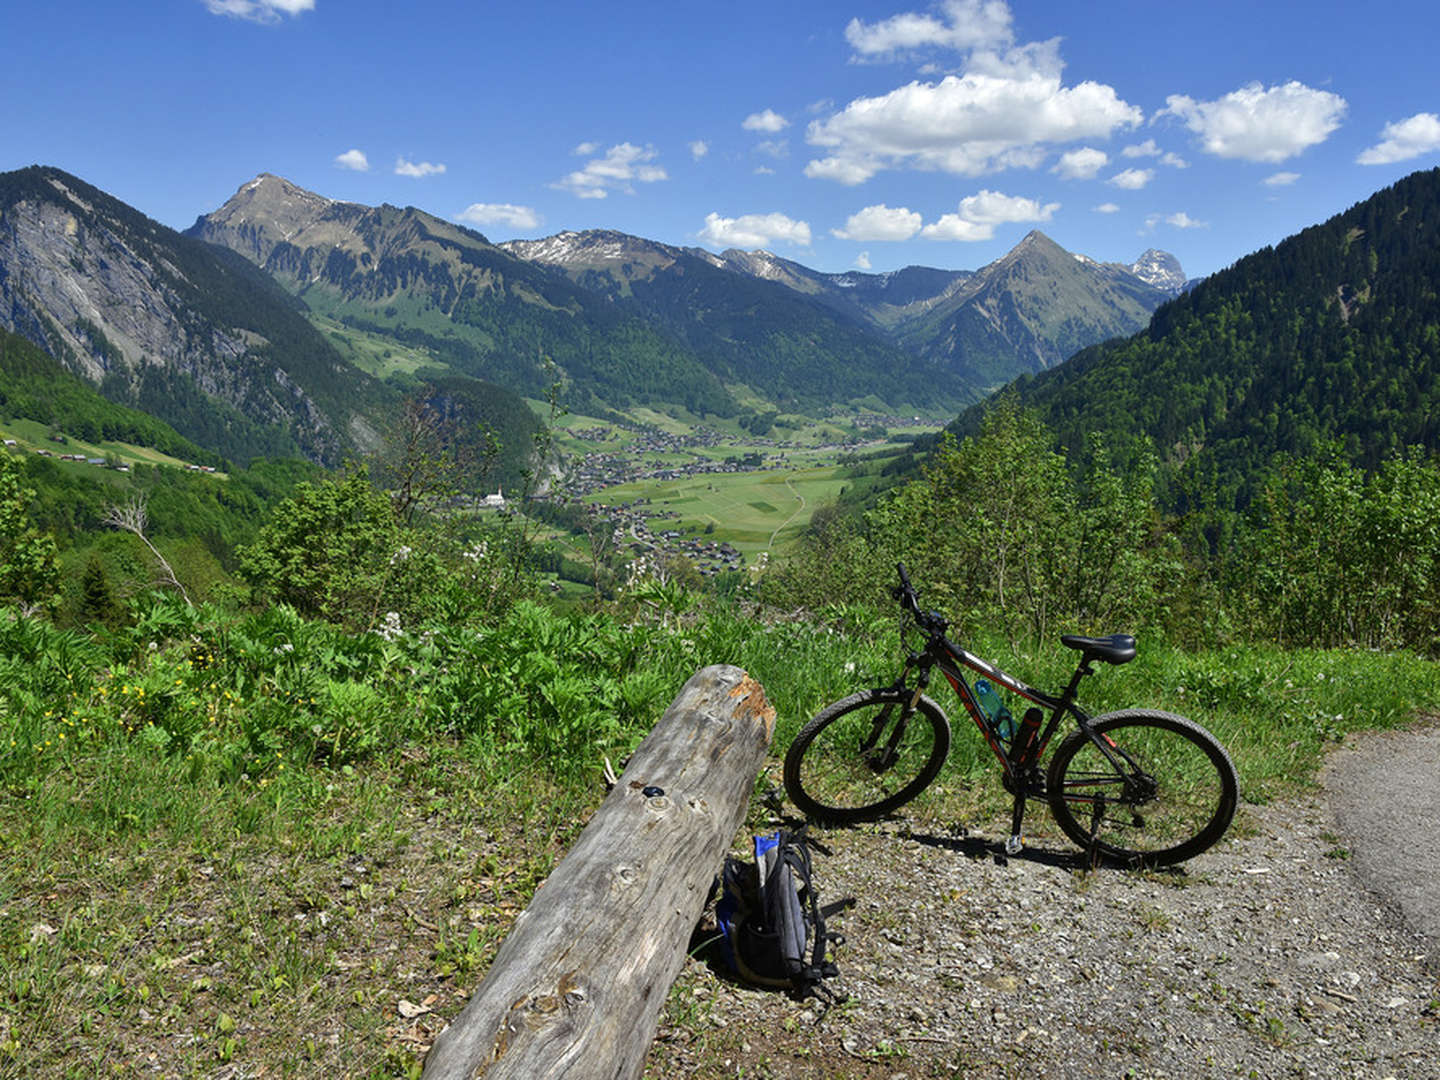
pixel 1179 220
pixel 983 121
pixel 978 214
pixel 585 149
pixel 842 170
pixel 880 222
pixel 754 230
pixel 1259 124
pixel 955 227
pixel 993 208
pixel 417 169
pixel 967 24
pixel 623 166
pixel 699 148
pixel 768 121
pixel 776 148
pixel 1149 149
pixel 1107 208
pixel 862 261
pixel 1132 179
pixel 261 11
pixel 507 214
pixel 764 170
pixel 1281 179
pixel 1081 164
pixel 1404 140
pixel 355 160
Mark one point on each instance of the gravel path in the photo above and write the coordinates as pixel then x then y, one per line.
pixel 1269 956
pixel 1385 799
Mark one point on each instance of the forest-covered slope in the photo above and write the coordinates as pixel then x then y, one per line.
pixel 1333 334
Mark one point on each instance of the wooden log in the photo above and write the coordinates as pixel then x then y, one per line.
pixel 576 989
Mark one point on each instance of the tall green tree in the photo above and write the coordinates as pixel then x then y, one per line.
pixel 29 562
pixel 334 549
pixel 1333 555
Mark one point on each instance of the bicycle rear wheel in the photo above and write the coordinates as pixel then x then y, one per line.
pixel 866 755
pixel 1172 795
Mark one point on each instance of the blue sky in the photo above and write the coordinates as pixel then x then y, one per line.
pixel 842 135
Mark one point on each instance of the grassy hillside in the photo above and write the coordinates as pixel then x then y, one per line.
pixel 35 388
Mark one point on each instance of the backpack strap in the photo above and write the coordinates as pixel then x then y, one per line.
pixel 811 977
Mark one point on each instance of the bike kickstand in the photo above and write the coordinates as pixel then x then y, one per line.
pixel 1097 812
pixel 1016 841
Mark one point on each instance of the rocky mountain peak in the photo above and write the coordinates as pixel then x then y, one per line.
pixel 1160 269
pixel 592 248
pixel 270 197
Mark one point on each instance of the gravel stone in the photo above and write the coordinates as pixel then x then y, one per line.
pixel 1267 956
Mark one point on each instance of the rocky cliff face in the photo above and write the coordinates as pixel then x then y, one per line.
pixel 141 310
pixel 74 280
pixel 1032 309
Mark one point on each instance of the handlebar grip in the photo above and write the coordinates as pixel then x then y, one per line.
pixel 906 592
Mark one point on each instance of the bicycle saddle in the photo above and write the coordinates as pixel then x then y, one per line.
pixel 1115 649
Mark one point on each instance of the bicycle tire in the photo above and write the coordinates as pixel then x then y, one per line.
pixel 828 776
pixel 1178 805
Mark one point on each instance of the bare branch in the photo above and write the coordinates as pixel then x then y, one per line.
pixel 134 517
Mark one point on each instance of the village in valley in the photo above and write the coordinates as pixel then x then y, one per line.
pixel 717 499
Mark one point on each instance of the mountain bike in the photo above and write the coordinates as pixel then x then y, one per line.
pixel 1139 786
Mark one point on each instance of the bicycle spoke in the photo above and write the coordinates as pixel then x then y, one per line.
pixel 1169 795
pixel 866 755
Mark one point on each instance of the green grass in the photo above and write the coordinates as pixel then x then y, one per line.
pixel 220 852
pixel 754 511
pixel 32 436
pixel 375 354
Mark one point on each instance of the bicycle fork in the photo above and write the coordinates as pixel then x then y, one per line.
pixel 880 759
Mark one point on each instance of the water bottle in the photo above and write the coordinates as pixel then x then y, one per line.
pixel 994 708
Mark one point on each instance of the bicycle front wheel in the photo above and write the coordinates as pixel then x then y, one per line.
pixel 1164 792
pixel 866 755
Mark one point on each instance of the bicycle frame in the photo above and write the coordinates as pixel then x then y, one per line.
pixel 1020 763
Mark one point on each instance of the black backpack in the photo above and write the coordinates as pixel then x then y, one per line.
pixel 772 922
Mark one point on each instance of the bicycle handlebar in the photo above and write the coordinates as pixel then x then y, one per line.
pixel 930 621
pixel 906 592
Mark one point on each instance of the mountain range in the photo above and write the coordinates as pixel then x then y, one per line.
pixel 289 323
pixel 1024 312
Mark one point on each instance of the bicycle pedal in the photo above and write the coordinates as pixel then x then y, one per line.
pixel 1014 844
